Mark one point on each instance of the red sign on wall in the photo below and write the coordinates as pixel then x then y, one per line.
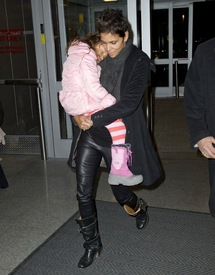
pixel 11 41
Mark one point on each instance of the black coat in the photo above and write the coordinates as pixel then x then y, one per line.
pixel 134 81
pixel 199 94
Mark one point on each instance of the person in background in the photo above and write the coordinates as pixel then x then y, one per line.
pixel 3 179
pixel 2 134
pixel 82 93
pixel 199 100
pixel 124 74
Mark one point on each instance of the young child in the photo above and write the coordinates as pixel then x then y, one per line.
pixel 82 93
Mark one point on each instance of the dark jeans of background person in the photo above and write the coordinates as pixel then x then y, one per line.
pixel 3 180
pixel 211 165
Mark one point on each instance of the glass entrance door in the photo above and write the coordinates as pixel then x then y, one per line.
pixel 170 48
pixel 19 80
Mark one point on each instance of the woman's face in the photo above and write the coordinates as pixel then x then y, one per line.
pixel 113 43
pixel 100 52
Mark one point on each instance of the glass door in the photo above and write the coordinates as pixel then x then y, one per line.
pixel 19 79
pixel 180 49
pixel 170 48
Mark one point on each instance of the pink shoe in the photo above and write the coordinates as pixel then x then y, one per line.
pixel 120 173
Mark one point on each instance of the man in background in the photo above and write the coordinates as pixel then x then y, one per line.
pixel 199 97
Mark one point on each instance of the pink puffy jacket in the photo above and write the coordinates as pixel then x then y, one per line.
pixel 81 89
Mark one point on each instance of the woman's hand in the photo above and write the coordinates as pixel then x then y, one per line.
pixel 83 122
pixel 206 146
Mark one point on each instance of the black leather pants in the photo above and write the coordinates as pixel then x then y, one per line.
pixel 88 158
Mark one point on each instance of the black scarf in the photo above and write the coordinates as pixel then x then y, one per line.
pixel 112 69
pixel 111 76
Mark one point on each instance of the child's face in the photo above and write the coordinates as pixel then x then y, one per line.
pixel 100 52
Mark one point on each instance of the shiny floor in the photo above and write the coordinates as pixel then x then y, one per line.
pixel 42 194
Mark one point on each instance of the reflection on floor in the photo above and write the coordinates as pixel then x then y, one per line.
pixel 42 194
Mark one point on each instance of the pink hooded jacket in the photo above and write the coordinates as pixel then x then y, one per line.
pixel 81 89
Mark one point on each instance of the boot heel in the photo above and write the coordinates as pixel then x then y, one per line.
pixel 99 252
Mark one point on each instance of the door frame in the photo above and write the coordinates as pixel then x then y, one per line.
pixel 42 72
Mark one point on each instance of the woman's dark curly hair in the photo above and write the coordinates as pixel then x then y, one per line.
pixel 92 39
pixel 112 21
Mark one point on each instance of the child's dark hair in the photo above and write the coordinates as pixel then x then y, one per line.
pixel 112 21
pixel 92 39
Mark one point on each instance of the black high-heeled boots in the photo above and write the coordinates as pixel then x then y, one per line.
pixel 139 212
pixel 92 244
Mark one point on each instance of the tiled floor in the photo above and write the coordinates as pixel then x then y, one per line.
pixel 42 194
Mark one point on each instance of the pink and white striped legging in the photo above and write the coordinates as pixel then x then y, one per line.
pixel 117 131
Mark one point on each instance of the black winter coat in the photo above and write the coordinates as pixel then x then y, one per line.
pixel 199 94
pixel 134 81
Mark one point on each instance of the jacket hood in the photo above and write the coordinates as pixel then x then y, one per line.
pixel 79 49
